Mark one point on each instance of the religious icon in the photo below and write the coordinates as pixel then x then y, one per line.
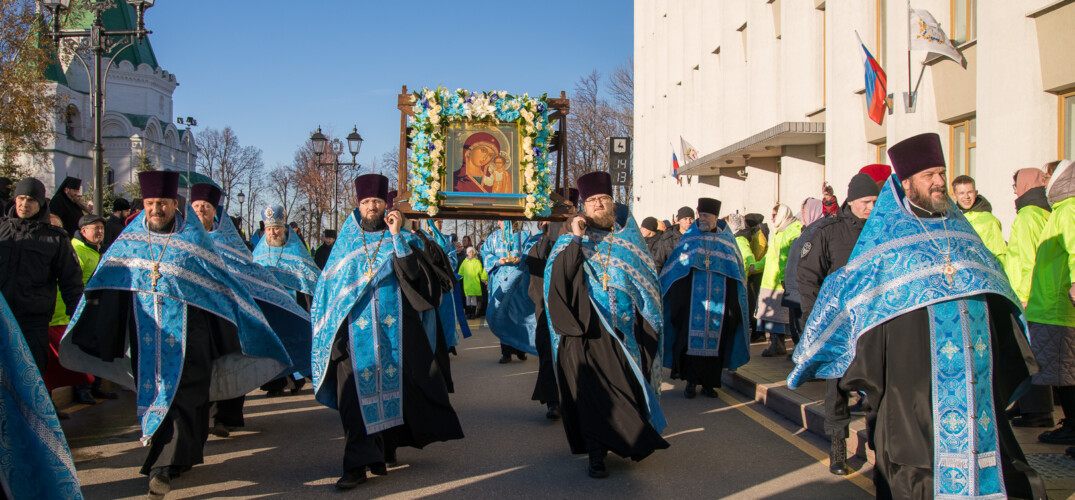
pixel 483 169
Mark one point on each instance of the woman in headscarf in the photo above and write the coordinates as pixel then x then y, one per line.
pixel 773 316
pixel 811 213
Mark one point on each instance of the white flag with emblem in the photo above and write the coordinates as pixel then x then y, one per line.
pixel 926 34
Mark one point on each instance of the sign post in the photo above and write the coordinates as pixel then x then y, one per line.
pixel 619 160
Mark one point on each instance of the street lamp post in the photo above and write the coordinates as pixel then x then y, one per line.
pixel 190 123
pixel 101 41
pixel 242 197
pixel 354 145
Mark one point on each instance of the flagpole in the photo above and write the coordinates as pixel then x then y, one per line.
pixel 909 90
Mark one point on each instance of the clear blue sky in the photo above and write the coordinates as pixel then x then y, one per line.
pixel 275 70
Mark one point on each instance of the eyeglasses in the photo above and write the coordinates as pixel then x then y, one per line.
pixel 597 200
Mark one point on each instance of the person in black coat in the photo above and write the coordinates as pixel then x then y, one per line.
pixel 826 251
pixel 115 224
pixel 652 235
pixel 323 251
pixel 671 236
pixel 67 204
pixel 35 259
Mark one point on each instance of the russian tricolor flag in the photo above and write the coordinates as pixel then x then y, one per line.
pixel 876 85
pixel 675 168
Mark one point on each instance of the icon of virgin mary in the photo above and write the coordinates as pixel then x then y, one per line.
pixel 479 151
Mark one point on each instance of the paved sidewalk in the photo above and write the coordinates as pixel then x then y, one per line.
pixel 765 379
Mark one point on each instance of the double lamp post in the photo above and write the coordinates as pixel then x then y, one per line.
pixel 101 41
pixel 354 145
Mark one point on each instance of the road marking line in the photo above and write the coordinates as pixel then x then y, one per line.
pixel 854 477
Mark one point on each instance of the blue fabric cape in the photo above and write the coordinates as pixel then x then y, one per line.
pixel 510 313
pixel 192 274
pixel 896 268
pixel 35 461
pixel 447 310
pixel 291 263
pixel 371 306
pixel 689 259
pixel 635 287
pixel 289 321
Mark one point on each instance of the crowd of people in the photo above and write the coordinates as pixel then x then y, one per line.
pixel 896 297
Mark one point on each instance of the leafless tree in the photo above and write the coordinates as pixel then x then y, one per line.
pixel 593 119
pixel 228 163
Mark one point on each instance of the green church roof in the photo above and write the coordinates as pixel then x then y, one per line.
pixel 121 16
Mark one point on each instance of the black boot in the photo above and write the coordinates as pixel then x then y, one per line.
pixel 838 457
pixel 81 394
pixel 505 359
pixel 691 391
pixel 554 411
pixel 597 464
pixel 160 482
pixel 351 479
pixel 710 392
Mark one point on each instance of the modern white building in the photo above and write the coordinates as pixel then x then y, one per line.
pixel 771 93
pixel 137 117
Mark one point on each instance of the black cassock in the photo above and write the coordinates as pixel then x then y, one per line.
pixel 179 440
pixel 893 367
pixel 602 403
pixel 428 415
pixel 444 277
pixel 545 389
pixel 704 370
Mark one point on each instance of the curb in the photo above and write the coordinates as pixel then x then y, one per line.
pixel 804 412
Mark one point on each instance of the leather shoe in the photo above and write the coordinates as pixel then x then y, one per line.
pixel 505 359
pixel 710 392
pixel 298 386
pixel 379 469
pixel 1033 420
pixel 838 457
pixel 521 356
pixel 275 393
pixel 81 395
pixel 690 392
pixel 1064 434
pixel 220 430
pixel 160 482
pixel 554 412
pixel 351 479
pixel 597 468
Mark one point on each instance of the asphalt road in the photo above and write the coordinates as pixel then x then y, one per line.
pixel 292 447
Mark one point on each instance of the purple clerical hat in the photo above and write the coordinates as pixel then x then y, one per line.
pixel 391 198
pixel 594 183
pixel 709 206
pixel 371 186
pixel 205 192
pixel 915 154
pixel 159 184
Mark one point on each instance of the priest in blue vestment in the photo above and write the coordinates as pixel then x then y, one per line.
pixel 288 319
pixel 604 309
pixel 373 349
pixel 703 284
pixel 163 316
pixel 282 252
pixel 923 320
pixel 35 461
pixel 510 313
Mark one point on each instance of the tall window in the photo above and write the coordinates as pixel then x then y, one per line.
pixel 1067 125
pixel 964 21
pixel 882 153
pixel 963 142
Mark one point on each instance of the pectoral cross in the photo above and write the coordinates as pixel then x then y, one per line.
pixel 706 262
pixel 154 276
pixel 949 270
pixel 604 281
pixel 369 273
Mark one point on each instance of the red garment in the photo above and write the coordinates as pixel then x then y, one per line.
pixel 55 374
pixel 830 206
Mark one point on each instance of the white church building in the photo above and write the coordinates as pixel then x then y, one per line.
pixel 137 116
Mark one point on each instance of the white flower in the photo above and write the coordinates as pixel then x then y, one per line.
pixel 434 119
pixel 432 210
pixel 530 198
pixel 435 186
